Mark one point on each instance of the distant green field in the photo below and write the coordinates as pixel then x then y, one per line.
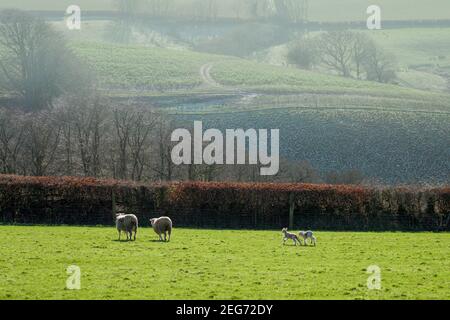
pixel 142 68
pixel 319 10
pixel 345 10
pixel 147 69
pixel 265 77
pixel 417 46
pixel 207 264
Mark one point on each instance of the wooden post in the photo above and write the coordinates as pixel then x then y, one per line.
pixel 113 200
pixel 291 211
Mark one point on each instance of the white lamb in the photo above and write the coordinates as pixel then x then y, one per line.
pixel 305 235
pixel 162 226
pixel 287 235
pixel 127 223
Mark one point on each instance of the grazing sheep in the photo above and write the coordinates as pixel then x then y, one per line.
pixel 127 223
pixel 305 235
pixel 162 226
pixel 287 235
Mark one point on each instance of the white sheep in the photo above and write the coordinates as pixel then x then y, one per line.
pixel 287 235
pixel 162 226
pixel 305 235
pixel 127 223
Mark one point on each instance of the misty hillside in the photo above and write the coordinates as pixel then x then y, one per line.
pixel 391 134
pixel 240 64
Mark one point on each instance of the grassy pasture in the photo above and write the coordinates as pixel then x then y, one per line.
pixel 142 68
pixel 220 264
pixel 416 46
pixel 147 69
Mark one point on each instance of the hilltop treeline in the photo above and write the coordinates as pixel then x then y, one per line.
pixel 85 136
pixel 294 11
pixel 68 200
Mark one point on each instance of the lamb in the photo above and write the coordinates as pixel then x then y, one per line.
pixel 305 235
pixel 162 225
pixel 127 223
pixel 287 235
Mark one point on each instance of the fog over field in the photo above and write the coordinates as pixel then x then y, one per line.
pixel 319 10
pixel 372 105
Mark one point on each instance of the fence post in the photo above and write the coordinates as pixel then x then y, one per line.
pixel 113 200
pixel 291 211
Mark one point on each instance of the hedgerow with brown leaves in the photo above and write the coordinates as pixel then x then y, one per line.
pixel 70 200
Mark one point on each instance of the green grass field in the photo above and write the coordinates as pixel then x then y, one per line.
pixel 142 70
pixel 205 264
pixel 416 46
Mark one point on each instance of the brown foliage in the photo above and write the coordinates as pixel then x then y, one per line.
pixel 224 205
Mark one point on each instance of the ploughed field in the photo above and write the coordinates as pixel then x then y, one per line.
pixel 393 146
pixel 220 264
pixel 390 133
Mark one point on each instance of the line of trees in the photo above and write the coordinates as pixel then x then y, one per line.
pixel 62 125
pixel 36 64
pixel 347 53
pixel 86 136
pixel 292 11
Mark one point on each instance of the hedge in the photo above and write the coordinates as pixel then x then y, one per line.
pixel 88 201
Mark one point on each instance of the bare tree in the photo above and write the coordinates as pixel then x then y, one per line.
pixel 361 50
pixel 138 141
pixel 43 136
pixel 35 62
pixel 83 132
pixel 337 51
pixel 163 165
pixel 346 177
pixel 123 123
pixel 379 65
pixel 11 140
pixel 304 54
pixel 289 10
pixel 298 172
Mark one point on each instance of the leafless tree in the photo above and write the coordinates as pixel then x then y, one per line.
pixel 163 165
pixel 361 50
pixel 379 65
pixel 43 137
pixel 289 10
pixel 337 50
pixel 84 134
pixel 345 177
pixel 297 171
pixel 11 140
pixel 35 64
pixel 139 140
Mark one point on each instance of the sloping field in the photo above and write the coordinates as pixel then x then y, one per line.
pixel 157 69
pixel 417 46
pixel 144 69
pixel 390 133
